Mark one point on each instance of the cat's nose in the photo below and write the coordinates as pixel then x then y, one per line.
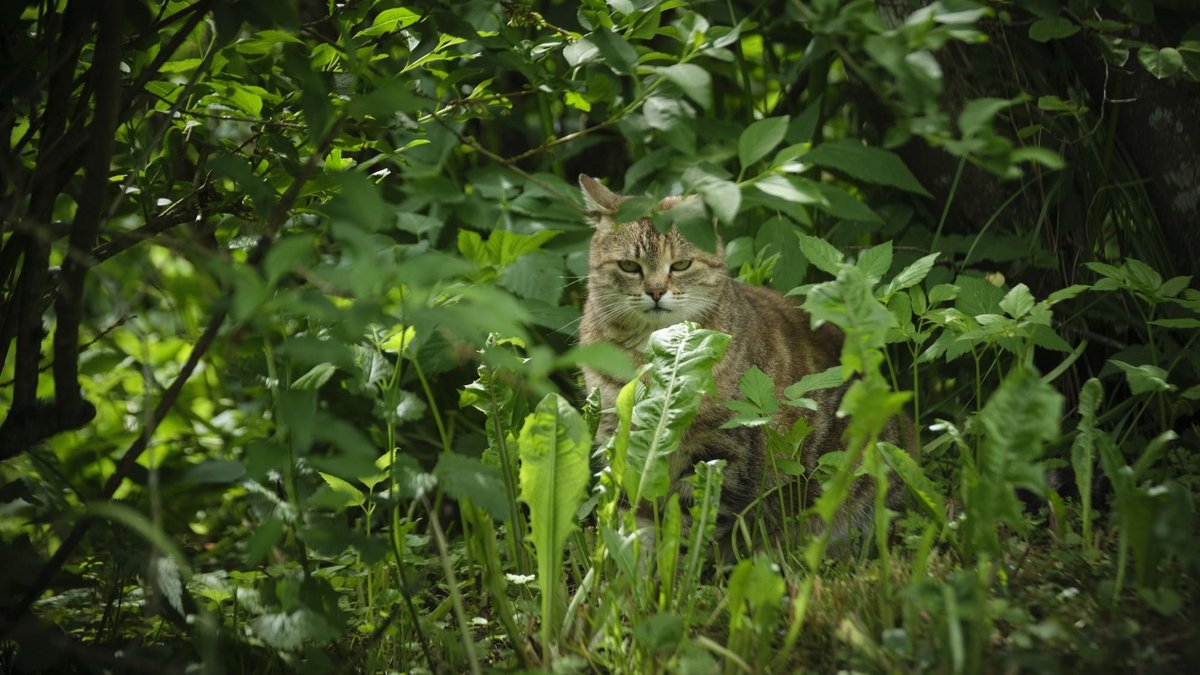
pixel 656 293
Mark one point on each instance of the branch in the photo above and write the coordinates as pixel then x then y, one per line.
pixel 509 164
pixel 68 309
pixel 127 462
pixel 129 459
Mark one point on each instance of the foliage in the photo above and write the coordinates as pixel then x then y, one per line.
pixel 287 366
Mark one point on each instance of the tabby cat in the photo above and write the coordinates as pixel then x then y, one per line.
pixel 640 280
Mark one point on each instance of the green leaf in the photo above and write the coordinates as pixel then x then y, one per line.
pixel 660 633
pixel 214 471
pixel 693 80
pixel 316 377
pixel 347 493
pixel 615 51
pixel 723 199
pixel 876 261
pixel 1039 155
pixel 681 358
pixel 820 253
pixel 461 476
pixel 873 165
pixel 389 21
pixel 926 493
pixel 760 138
pixel 1052 28
pixel 1083 450
pixel 554 447
pixel 502 247
pixel 912 275
pixel 837 202
pixel 291 630
pixel 1018 421
pixel 1161 63
pixel 1144 378
pixel 977 114
pixel 759 403
pixel 791 190
pixel 1018 301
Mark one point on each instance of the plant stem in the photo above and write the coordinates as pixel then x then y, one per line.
pixel 452 582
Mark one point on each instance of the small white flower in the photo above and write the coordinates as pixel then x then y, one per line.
pixel 1068 593
pixel 519 579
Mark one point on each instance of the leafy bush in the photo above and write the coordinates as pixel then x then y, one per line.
pixel 290 295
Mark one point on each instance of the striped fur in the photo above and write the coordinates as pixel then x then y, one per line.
pixel 768 330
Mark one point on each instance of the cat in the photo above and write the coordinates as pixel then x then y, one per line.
pixel 640 280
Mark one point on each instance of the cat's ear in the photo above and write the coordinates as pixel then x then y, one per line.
pixel 601 202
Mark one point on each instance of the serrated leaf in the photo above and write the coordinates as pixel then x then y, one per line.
pixel 914 274
pixel 820 253
pixel 1018 301
pixel 831 377
pixel 315 378
pixel 348 494
pixel 876 261
pixel 873 165
pixel 760 138
pixel 926 493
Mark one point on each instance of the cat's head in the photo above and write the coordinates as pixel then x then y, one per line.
pixel 643 278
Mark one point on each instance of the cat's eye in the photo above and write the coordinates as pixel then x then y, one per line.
pixel 680 265
pixel 629 266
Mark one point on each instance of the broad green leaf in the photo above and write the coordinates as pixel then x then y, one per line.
pixel 1161 63
pixel 390 20
pixel 820 253
pixel 616 51
pixel 681 359
pixel 876 261
pixel 554 448
pixel 791 190
pixel 760 138
pixel 291 630
pixel 1018 301
pixel 873 165
pixel 693 80
pixel 461 476
pixel 837 202
pixel 1052 28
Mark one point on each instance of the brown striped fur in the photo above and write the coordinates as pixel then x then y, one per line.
pixel 768 330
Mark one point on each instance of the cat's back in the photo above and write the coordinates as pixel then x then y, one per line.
pixel 777 336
